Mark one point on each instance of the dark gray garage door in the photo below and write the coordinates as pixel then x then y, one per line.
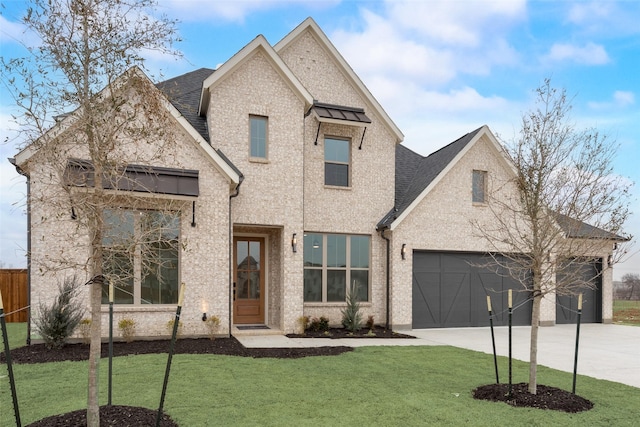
pixel 567 305
pixel 450 290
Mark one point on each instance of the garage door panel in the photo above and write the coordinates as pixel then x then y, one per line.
pixel 453 293
pixel 425 298
pixel 567 305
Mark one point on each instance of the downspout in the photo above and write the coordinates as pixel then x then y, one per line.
pixel 235 194
pixel 388 275
pixel 23 173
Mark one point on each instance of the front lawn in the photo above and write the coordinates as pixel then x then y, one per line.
pixel 369 386
pixel 626 312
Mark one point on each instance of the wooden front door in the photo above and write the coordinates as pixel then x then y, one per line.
pixel 248 282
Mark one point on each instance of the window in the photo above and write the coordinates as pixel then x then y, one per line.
pixel 331 261
pixel 140 256
pixel 479 186
pixel 258 136
pixel 336 162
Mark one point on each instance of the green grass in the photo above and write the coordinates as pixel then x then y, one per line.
pixel 626 312
pixel 369 386
pixel 17 333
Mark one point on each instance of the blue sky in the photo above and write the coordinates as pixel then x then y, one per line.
pixel 439 68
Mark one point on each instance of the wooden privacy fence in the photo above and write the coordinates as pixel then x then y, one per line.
pixel 13 284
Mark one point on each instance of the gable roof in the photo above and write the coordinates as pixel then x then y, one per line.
pixel 179 109
pixel 581 230
pixel 309 25
pixel 416 175
pixel 257 44
pixel 184 93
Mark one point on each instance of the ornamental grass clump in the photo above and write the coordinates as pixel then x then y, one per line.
pixel 58 322
pixel 351 315
pixel 127 329
pixel 212 322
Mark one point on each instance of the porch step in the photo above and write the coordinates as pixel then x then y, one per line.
pixel 254 332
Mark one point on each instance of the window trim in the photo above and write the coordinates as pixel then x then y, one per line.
pixel 485 185
pixel 324 269
pixel 348 163
pixel 264 119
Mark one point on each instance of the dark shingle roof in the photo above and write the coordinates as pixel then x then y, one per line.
pixel 581 230
pixel 184 93
pixel 414 173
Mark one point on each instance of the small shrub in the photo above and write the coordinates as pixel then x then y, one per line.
pixel 370 323
pixel 169 326
pixel 212 323
pixel 127 329
pixel 57 323
pixel 303 321
pixel 319 324
pixel 85 330
pixel 351 316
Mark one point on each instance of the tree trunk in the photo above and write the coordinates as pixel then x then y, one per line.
pixel 95 296
pixel 533 349
pixel 93 404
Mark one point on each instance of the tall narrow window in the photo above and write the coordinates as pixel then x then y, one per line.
pixel 479 186
pixel 336 162
pixel 258 137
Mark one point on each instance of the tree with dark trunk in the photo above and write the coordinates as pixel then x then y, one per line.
pixel 562 211
pixel 82 95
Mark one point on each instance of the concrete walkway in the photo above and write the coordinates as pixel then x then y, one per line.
pixel 610 352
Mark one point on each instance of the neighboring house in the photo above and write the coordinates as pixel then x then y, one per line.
pixel 291 185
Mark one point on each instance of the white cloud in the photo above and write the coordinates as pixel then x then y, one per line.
pixel 232 10
pixel 619 99
pixel 606 18
pixel 11 32
pixel 589 54
pixel 431 43
pixel 455 23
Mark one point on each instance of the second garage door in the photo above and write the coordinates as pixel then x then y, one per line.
pixel 450 289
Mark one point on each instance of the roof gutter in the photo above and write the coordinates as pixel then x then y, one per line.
pixel 231 286
pixel 388 275
pixel 26 175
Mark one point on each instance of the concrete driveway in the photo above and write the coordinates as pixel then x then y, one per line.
pixel 609 352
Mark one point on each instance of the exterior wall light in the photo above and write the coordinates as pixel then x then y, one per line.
pixel 294 243
pixel 403 251
pixel 204 317
pixel 610 260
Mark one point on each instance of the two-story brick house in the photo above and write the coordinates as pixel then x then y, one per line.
pixel 293 185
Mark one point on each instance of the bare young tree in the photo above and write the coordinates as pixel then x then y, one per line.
pixel 631 282
pixel 562 211
pixel 83 96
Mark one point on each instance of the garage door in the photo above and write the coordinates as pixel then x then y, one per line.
pixel 450 290
pixel 567 305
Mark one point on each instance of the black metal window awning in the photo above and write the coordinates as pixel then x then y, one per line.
pixel 339 114
pixel 139 178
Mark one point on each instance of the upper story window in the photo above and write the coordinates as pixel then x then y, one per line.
pixel 479 186
pixel 140 256
pixel 258 137
pixel 336 161
pixel 332 263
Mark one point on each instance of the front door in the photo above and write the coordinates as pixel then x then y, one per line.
pixel 248 284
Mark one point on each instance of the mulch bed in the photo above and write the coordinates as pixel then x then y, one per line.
pixel 114 415
pixel 375 332
pixel 546 397
pixel 38 353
